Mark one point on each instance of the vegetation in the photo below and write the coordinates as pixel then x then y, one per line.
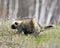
pixel 9 38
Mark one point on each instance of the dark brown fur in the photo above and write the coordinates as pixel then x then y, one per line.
pixel 28 26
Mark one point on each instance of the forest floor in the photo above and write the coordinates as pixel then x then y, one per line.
pixel 49 38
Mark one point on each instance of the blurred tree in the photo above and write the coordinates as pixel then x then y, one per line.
pixel 46 12
pixel 42 12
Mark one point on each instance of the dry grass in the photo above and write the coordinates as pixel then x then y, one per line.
pixel 10 39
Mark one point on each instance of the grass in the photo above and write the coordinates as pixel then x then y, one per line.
pixel 49 38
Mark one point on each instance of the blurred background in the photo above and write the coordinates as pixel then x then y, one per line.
pixel 46 12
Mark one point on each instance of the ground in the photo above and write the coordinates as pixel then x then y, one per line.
pixel 49 38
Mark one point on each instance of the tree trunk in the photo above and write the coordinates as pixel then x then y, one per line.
pixel 42 12
pixel 5 9
pixel 37 10
pixel 16 9
pixel 50 14
pixel 10 10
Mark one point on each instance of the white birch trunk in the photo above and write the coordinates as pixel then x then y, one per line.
pixel 10 10
pixel 50 14
pixel 37 10
pixel 16 9
pixel 30 12
pixel 42 13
